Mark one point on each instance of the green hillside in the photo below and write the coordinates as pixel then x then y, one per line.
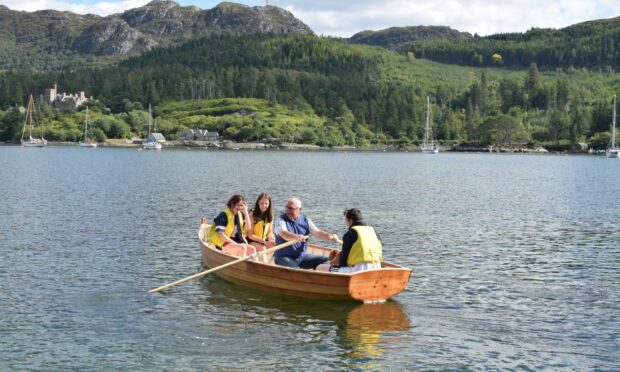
pixel 359 94
pixel 594 44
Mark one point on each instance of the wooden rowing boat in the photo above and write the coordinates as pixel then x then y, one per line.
pixel 365 286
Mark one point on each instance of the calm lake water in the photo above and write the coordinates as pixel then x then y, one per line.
pixel 515 257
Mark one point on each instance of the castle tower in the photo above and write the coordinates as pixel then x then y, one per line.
pixel 49 95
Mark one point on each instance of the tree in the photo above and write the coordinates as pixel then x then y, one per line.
pixel 510 94
pixel 502 129
pixel 579 123
pixel 308 136
pixel 562 92
pixel 153 94
pixel 10 125
pixel 559 124
pixel 532 81
pixel 497 59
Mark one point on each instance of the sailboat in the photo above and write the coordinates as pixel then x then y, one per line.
pixel 428 146
pixel 31 142
pixel 149 143
pixel 88 142
pixel 612 150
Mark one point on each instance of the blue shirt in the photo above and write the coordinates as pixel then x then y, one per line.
pixel 301 226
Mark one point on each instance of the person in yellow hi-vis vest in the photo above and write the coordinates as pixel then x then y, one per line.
pixel 361 247
pixel 261 236
pixel 230 228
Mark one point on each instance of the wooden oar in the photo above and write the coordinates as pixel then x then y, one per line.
pixel 242 259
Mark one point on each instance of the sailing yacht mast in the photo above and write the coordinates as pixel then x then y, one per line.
pixel 427 122
pixel 612 150
pixel 28 118
pixel 428 146
pixel 32 142
pixel 150 119
pixel 88 142
pixel 151 144
pixel 86 126
pixel 613 127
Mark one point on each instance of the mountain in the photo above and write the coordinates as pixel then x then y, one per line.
pixel 50 39
pixel 396 37
pixel 591 44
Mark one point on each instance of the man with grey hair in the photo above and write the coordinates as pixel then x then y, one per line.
pixel 293 225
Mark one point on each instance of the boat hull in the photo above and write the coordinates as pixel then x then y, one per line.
pixel 88 145
pixel 152 146
pixel 613 154
pixel 34 143
pixel 365 286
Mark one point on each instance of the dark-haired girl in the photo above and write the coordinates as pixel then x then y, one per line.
pixel 230 228
pixel 261 236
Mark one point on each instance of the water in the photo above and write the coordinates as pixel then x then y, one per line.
pixel 515 262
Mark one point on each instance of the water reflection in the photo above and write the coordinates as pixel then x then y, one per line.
pixel 362 331
pixel 367 325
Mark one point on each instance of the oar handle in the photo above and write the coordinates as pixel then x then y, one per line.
pixel 242 259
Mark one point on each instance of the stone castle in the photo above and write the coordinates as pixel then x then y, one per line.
pixel 64 102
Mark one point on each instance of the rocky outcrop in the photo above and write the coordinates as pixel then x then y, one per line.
pixel 112 36
pixel 161 18
pixel 242 18
pixel 159 22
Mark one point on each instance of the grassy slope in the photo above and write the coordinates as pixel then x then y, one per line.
pixel 397 68
pixel 234 115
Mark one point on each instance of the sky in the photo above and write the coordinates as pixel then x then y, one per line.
pixel 343 18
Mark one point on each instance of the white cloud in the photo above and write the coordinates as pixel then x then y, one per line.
pixel 474 16
pixel 344 18
pixel 102 8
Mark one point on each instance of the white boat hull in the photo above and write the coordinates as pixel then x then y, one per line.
pixel 34 143
pixel 152 146
pixel 430 151
pixel 88 144
pixel 615 153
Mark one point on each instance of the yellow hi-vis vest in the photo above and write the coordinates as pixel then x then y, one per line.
pixel 261 229
pixel 213 237
pixel 367 247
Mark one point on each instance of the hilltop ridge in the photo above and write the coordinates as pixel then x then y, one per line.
pixel 50 39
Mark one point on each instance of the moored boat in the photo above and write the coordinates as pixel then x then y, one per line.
pixel 88 142
pixel 428 145
pixel 365 286
pixel 149 143
pixel 28 123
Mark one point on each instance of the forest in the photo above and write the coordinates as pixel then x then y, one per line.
pixel 324 91
pixel 594 44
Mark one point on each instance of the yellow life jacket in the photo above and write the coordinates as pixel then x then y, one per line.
pixel 213 236
pixel 261 229
pixel 367 247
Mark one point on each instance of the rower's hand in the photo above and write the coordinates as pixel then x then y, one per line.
pixel 301 238
pixel 333 237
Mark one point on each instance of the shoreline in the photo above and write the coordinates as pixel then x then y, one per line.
pixel 235 146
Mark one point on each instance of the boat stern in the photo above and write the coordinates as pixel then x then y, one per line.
pixel 378 285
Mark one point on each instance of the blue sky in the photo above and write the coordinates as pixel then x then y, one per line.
pixel 344 18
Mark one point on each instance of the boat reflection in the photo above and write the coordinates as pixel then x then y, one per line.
pixel 367 325
pixel 362 330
